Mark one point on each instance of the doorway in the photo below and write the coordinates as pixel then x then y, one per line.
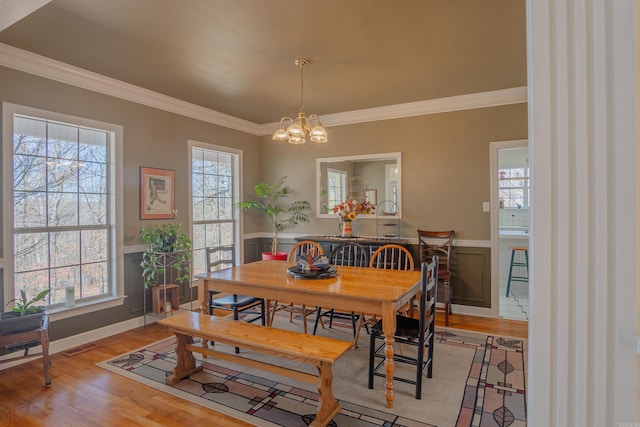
pixel 510 228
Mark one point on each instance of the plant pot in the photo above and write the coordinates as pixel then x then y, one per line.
pixel 12 323
pixel 278 256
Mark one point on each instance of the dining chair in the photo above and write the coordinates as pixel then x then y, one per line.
pixel 386 257
pixel 350 254
pixel 418 333
pixel 311 249
pixel 222 258
pixel 392 257
pixel 439 243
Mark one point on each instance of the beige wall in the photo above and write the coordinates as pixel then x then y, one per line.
pixel 445 165
pixel 152 137
pixel 445 156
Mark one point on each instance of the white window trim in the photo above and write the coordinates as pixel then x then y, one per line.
pixel 117 261
pixel 238 194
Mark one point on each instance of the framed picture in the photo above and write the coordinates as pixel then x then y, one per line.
pixel 157 193
pixel 372 196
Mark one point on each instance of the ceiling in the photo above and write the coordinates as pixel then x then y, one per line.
pixel 237 56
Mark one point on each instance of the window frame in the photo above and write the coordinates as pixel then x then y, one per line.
pixel 236 197
pixel 115 205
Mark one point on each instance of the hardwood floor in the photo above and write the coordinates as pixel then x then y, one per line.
pixel 83 394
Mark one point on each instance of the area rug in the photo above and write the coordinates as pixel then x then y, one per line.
pixel 478 380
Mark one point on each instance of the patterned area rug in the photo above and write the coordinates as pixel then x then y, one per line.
pixel 478 380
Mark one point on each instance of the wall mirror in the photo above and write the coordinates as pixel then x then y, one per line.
pixel 374 176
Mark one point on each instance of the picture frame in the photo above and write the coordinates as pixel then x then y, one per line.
pixel 372 196
pixel 157 193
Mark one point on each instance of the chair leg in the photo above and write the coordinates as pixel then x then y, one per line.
pixel 318 314
pixel 419 371
pixel 264 314
pixel 447 302
pixel 510 271
pixel 236 317
pixel 372 351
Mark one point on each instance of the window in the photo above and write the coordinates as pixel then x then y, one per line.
pixel 336 187
pixel 513 187
pixel 214 194
pixel 61 216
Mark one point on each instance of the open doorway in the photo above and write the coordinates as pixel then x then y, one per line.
pixel 510 229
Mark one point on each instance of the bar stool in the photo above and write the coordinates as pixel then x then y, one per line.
pixel 518 264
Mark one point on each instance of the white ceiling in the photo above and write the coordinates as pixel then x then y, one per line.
pixel 237 56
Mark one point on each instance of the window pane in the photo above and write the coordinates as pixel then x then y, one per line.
pixel 29 210
pixel 60 279
pixel 62 176
pixel 29 173
pixel 31 251
pixel 63 209
pixel 65 248
pixel 93 177
pixel 93 146
pixel 94 279
pixel 93 209
pixel 94 245
pixel 198 236
pixel 32 283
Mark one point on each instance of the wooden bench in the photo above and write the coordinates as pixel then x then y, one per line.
pixel 321 352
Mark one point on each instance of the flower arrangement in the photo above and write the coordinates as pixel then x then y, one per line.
pixel 350 209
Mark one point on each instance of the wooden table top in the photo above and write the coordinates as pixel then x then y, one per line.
pixel 363 283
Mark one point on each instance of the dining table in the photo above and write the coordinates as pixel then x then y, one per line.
pixel 372 291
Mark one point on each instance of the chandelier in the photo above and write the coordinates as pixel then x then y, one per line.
pixel 301 126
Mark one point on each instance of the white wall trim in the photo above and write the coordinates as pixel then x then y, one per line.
pixel 516 95
pixel 55 70
pixel 41 66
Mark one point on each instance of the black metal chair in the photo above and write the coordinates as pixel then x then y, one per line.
pixel 418 333
pixel 349 254
pixel 221 258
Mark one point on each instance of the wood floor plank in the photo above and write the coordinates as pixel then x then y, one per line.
pixel 83 394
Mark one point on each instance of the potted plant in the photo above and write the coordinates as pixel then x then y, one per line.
pixel 281 216
pixel 169 249
pixel 25 315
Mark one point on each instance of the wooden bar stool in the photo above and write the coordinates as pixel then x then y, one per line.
pixel 524 264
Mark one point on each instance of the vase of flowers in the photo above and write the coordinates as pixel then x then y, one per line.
pixel 348 212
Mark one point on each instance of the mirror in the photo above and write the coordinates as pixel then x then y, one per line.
pixel 374 176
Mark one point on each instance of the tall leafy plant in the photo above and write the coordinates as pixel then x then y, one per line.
pixel 280 214
pixel 169 248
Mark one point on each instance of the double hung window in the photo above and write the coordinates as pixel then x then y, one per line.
pixel 214 195
pixel 60 220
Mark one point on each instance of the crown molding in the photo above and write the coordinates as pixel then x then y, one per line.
pixel 41 66
pixel 55 70
pixel 516 95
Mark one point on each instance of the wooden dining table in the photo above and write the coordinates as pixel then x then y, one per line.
pixel 357 289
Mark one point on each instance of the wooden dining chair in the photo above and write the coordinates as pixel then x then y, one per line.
pixel 419 333
pixel 392 257
pixel 386 257
pixel 311 249
pixel 221 258
pixel 350 254
pixel 439 243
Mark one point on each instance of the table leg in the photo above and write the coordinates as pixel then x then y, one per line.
pixel 186 364
pixel 202 291
pixel 389 329
pixel 327 405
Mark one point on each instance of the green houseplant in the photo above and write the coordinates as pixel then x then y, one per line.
pixel 281 215
pixel 25 315
pixel 169 249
